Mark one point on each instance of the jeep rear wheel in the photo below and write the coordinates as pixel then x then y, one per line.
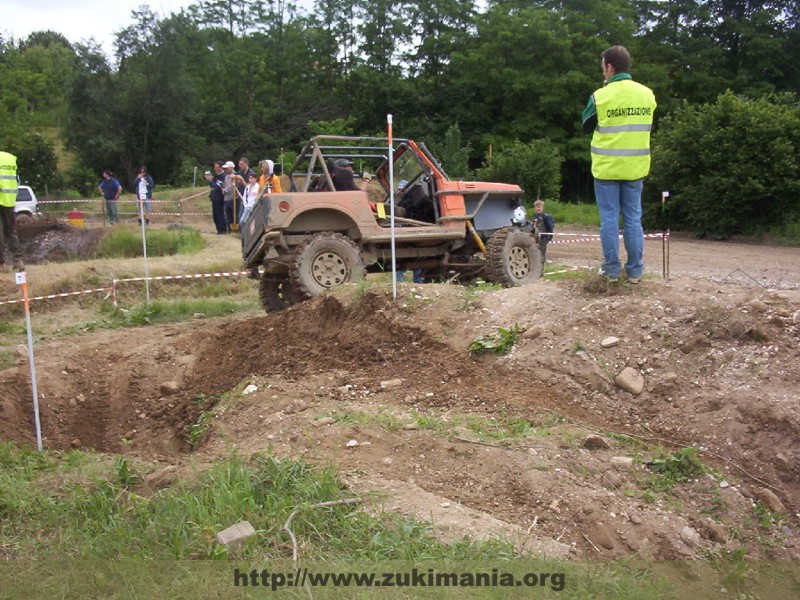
pixel 325 261
pixel 277 293
pixel 513 257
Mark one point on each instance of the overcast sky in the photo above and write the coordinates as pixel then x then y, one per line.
pixel 78 19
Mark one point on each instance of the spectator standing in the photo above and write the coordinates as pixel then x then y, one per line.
pixel 216 181
pixel 268 182
pixel 144 186
pixel 242 181
pixel 9 183
pixel 111 188
pixel 251 195
pixel 229 190
pixel 621 116
pixel 544 225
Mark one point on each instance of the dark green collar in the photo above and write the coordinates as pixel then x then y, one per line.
pixel 619 77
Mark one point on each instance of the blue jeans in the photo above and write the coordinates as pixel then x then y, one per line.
pixel 614 197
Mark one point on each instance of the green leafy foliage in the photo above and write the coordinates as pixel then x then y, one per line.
pixel 453 154
pixel 499 343
pixel 731 167
pixel 675 468
pixel 535 167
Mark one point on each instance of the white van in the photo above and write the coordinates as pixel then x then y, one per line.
pixel 27 206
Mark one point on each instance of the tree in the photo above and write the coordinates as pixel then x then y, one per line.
pixel 535 167
pixel 730 167
pixel 453 155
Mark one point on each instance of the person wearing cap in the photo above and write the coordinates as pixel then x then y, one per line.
pixel 268 182
pixel 343 176
pixel 216 181
pixel 347 165
pixel 144 186
pixel 229 191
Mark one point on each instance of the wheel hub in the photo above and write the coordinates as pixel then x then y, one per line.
pixel 518 262
pixel 329 269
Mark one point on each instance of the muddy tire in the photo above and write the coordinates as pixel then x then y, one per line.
pixel 513 258
pixel 23 218
pixel 325 261
pixel 277 293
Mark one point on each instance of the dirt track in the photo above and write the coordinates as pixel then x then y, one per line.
pixel 745 263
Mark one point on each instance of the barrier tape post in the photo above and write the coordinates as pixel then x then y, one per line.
pixel 22 280
pixel 144 250
pixel 664 196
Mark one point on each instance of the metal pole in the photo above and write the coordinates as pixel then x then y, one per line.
pixel 22 280
pixel 391 206
pixel 664 196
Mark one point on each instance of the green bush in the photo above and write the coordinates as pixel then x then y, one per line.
pixel 731 167
pixel 453 156
pixel 535 167
pixel 124 242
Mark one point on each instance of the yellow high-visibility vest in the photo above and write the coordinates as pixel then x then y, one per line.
pixel 621 140
pixel 8 179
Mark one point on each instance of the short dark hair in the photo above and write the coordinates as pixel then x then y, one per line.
pixel 618 57
pixel 216 163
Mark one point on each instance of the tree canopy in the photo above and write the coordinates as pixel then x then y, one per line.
pixel 231 77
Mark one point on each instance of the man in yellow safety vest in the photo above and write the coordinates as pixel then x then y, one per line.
pixel 621 116
pixel 8 198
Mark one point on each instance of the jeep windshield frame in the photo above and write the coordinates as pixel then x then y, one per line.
pixel 310 170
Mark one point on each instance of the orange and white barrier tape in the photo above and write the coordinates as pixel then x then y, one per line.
pixel 111 292
pixel 194 276
pixel 63 295
pixel 594 238
pixel 163 214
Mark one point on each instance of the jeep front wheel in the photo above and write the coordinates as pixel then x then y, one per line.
pixel 324 261
pixel 513 257
pixel 277 293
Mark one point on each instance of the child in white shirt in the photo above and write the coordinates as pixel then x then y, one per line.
pixel 250 196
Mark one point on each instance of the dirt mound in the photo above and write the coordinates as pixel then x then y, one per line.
pixel 50 240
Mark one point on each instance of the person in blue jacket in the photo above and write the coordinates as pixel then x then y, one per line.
pixel 143 186
pixel 544 225
pixel 111 190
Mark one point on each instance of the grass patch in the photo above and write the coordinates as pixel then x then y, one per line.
pixel 103 515
pixel 126 242
pixel 8 359
pixel 566 213
pixel 79 525
pixel 160 311
pixel 786 234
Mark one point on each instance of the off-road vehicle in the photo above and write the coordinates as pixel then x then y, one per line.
pixel 27 205
pixel 314 237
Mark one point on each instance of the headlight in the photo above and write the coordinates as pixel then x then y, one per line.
pixel 520 216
